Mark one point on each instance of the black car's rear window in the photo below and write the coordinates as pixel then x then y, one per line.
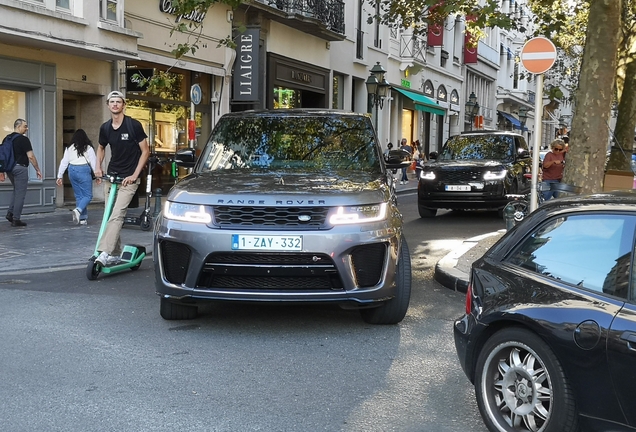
pixel 478 147
pixel 311 143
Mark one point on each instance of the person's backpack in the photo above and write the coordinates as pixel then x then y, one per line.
pixel 7 156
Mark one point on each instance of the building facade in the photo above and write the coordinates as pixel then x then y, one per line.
pixel 287 54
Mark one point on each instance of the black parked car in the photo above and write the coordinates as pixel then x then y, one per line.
pixel 549 334
pixel 475 170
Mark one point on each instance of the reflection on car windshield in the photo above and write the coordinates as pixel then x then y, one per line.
pixel 475 147
pixel 310 143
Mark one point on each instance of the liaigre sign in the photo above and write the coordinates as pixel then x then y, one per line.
pixel 246 66
pixel 167 7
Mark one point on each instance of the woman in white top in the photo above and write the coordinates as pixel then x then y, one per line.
pixel 80 159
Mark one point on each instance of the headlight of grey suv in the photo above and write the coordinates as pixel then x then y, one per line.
pixel 187 212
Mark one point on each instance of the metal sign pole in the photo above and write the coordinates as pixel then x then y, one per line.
pixel 538 131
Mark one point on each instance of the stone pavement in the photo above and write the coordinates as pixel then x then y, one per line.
pixel 51 240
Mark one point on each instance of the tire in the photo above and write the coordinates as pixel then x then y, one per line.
pixel 175 311
pixel 541 399
pixel 145 223
pixel 426 212
pixel 135 268
pixel 393 311
pixel 93 269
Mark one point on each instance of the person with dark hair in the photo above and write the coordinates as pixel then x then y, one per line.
pixel 129 153
pixel 79 158
pixel 19 175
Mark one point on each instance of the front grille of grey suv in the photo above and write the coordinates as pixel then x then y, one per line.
pixel 298 218
pixel 269 271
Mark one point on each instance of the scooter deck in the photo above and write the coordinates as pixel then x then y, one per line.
pixel 124 265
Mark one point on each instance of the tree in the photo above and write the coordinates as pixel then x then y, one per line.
pixel 593 97
pixel 625 91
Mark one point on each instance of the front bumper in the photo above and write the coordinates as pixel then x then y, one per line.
pixel 347 264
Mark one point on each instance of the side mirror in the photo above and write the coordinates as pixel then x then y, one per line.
pixel 432 155
pixel 186 157
pixel 524 154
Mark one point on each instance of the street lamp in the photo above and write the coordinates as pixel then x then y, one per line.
pixel 377 85
pixel 472 108
pixel 523 116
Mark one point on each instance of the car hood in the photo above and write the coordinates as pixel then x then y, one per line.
pixel 472 163
pixel 277 188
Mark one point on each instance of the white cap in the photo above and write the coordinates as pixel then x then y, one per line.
pixel 115 94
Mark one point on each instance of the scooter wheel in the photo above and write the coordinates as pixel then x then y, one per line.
pixel 145 224
pixel 93 269
pixel 136 267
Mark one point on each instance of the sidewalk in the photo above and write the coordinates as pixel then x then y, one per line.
pixel 453 270
pixel 51 240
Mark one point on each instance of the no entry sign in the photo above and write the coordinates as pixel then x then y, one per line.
pixel 538 55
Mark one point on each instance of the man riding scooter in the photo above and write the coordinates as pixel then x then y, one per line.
pixel 129 154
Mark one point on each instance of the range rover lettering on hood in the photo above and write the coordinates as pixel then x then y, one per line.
pixel 277 202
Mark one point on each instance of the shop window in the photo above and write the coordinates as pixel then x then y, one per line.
pixel 55 5
pixel 286 98
pixel 13 105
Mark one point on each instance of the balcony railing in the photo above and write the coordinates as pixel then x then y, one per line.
pixel 328 14
pixel 412 47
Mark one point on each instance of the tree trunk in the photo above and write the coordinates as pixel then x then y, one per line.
pixel 620 158
pixel 593 98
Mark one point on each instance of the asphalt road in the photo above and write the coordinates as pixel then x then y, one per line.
pixel 96 356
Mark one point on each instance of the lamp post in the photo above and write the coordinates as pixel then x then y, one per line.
pixel 377 87
pixel 523 116
pixel 472 108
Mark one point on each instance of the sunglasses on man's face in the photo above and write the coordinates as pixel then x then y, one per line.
pixel 558 149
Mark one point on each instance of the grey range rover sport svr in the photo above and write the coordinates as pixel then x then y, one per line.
pixel 290 206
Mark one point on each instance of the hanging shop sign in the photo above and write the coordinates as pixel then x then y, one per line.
pixel 246 66
pixel 135 79
pixel 167 7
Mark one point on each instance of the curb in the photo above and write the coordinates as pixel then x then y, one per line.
pixel 446 271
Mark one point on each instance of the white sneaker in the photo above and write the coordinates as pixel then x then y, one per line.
pixel 107 260
pixel 76 216
pixel 401 182
pixel 83 222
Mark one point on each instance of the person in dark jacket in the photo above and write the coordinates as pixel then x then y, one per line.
pixel 19 176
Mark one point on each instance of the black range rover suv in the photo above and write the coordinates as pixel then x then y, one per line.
pixel 475 170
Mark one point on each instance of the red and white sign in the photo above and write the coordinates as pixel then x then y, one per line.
pixel 538 55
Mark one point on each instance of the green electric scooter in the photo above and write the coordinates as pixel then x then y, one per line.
pixel 131 255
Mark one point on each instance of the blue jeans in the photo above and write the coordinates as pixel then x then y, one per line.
pixel 547 194
pixel 404 176
pixel 82 182
pixel 19 178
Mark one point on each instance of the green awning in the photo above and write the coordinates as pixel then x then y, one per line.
pixel 422 102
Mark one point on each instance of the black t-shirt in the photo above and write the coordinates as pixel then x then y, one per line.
pixel 21 146
pixel 125 151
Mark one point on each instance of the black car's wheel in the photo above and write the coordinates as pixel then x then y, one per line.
pixel 426 212
pixel 520 385
pixel 393 311
pixel 175 311
pixel 93 269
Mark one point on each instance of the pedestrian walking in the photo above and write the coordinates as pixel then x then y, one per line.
pixel 19 175
pixel 129 153
pixel 79 158
pixel 553 165
pixel 406 148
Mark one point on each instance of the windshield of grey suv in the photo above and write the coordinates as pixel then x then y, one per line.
pixel 478 147
pixel 311 143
